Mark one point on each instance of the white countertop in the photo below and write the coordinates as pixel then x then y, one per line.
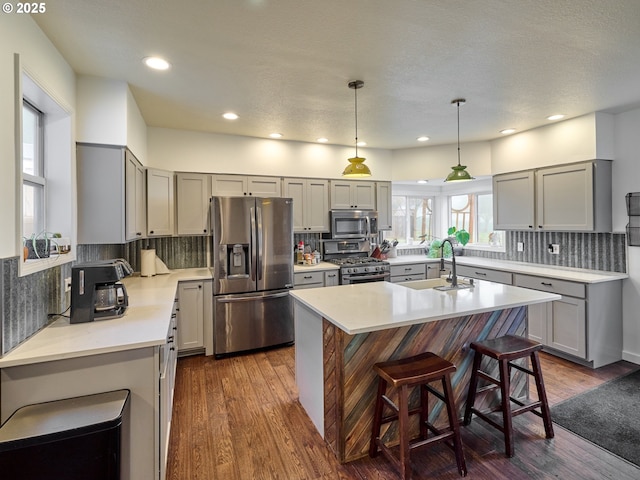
pixel 144 324
pixel 561 273
pixel 368 307
pixel 322 266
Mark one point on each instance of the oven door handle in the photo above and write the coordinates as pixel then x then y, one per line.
pixel 366 276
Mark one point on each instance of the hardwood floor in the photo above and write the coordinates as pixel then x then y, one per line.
pixel 239 418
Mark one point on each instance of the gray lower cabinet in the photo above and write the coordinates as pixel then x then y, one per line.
pixel 313 279
pixel 488 274
pixel 408 272
pixel 585 324
pixel 331 278
pixel 193 315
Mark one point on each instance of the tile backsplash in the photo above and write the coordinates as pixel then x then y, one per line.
pixel 26 302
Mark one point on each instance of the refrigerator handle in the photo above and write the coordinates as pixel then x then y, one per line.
pixel 260 252
pixel 253 244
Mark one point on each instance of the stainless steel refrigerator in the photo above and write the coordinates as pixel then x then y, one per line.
pixel 252 259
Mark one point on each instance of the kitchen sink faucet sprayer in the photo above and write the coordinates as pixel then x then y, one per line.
pixel 454 276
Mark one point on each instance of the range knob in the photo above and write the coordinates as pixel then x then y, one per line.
pixel 366 269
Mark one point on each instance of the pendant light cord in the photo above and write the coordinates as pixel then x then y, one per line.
pixel 458 103
pixel 355 92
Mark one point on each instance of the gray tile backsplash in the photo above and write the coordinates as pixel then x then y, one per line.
pixel 25 302
pixel 595 251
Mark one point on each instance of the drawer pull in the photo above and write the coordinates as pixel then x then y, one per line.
pixel 308 277
pixel 481 274
pixel 547 284
pixel 407 269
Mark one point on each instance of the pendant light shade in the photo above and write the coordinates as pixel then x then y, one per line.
pixel 459 172
pixel 356 167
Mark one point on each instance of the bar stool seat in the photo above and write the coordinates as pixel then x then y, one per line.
pixel 506 350
pixel 403 374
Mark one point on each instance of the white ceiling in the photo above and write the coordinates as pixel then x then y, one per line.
pixel 284 65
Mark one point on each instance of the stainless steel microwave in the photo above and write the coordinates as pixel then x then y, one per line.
pixel 353 223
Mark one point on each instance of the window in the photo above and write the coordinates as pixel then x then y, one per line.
pixel 33 180
pixel 474 213
pixel 412 218
pixel 44 173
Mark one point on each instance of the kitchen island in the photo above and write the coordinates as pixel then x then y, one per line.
pixel 342 331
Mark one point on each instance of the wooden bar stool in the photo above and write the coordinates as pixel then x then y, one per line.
pixel 505 350
pixel 419 370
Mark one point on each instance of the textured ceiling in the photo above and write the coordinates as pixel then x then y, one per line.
pixel 284 65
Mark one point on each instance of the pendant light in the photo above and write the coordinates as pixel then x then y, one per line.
pixel 459 172
pixel 356 167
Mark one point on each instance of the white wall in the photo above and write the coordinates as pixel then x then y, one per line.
pixel 108 114
pixel 436 162
pixel 190 151
pixel 583 138
pixel 20 34
pixel 626 178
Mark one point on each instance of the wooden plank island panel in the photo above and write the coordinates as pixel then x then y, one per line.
pixel 350 383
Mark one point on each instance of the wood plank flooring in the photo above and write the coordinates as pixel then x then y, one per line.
pixel 239 419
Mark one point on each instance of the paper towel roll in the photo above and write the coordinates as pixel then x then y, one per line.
pixel 148 262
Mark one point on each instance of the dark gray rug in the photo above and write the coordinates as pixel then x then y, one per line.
pixel 608 415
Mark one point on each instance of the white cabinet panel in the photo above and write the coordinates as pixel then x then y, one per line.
pixel 353 195
pixel 160 204
pixel 384 206
pixel 513 201
pixel 193 203
pixel 190 316
pixel 310 204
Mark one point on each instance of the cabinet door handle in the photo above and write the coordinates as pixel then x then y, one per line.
pixel 205 230
pixel 199 286
pixel 530 226
pixel 139 234
pixel 546 284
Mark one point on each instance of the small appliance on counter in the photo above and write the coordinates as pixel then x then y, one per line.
pixel 96 291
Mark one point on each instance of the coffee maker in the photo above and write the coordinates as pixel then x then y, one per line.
pixel 96 291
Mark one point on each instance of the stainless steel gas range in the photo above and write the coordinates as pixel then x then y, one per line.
pixel 356 266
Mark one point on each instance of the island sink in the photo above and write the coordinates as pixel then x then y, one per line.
pixel 437 284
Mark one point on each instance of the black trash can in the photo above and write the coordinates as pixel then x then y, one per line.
pixel 72 439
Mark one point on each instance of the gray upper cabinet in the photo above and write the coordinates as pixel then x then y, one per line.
pixel 514 201
pixel 238 185
pixel 193 192
pixel 310 204
pixel 383 205
pixel 573 197
pixel 347 194
pixel 111 195
pixel 160 203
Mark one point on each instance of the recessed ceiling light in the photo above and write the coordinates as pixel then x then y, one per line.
pixel 322 140
pixel 230 116
pixel 361 144
pixel 555 117
pixel 275 135
pixel 507 131
pixel 422 139
pixel 156 63
pixel 422 181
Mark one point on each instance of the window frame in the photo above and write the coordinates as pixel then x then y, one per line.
pixel 473 240
pixel 59 167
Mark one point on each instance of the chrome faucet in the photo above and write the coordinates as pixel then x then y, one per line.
pixel 454 276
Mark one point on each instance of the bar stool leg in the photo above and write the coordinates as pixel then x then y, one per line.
pixel 473 385
pixel 505 388
pixel 542 395
pixel 377 417
pixel 453 424
pixel 424 412
pixel 403 417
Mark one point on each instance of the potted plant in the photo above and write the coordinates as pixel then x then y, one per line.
pixel 39 246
